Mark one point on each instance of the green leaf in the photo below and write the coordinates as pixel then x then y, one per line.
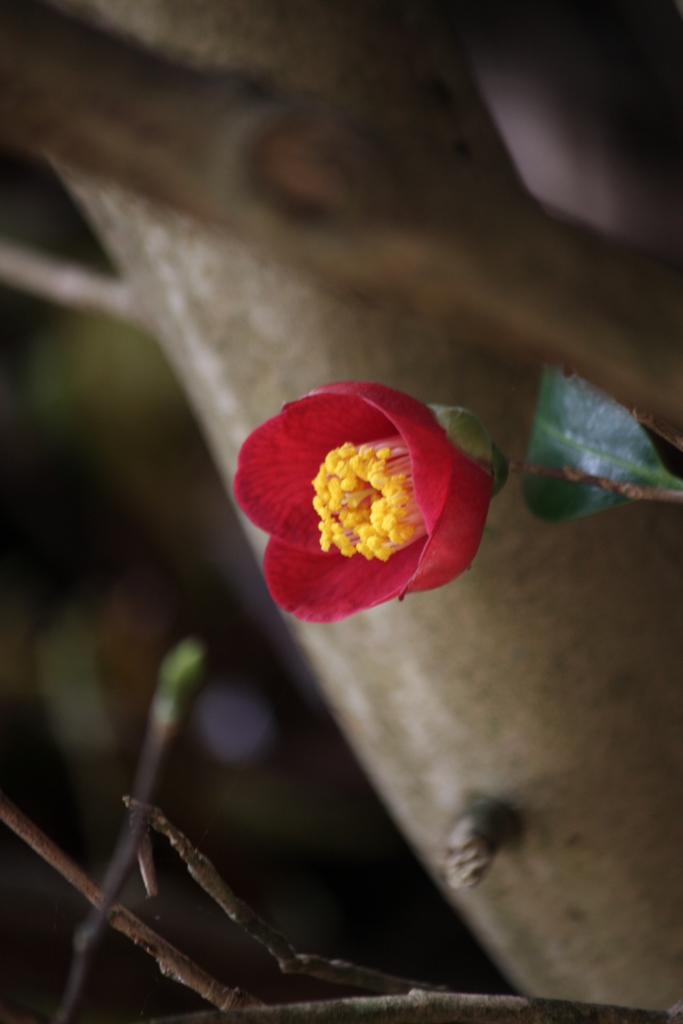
pixel 576 424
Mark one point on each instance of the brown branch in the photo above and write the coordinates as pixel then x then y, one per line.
pixel 89 934
pixel 289 961
pixel 432 1008
pixel 576 476
pixel 431 234
pixel 67 284
pixel 176 135
pixel 180 673
pixel 147 867
pixel 666 430
pixel 172 963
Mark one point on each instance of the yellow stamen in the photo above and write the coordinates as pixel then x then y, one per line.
pixel 364 497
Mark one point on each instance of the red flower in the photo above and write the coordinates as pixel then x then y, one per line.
pixel 392 492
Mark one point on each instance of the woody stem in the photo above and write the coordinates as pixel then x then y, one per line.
pixel 635 492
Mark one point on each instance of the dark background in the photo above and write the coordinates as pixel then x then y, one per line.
pixel 117 539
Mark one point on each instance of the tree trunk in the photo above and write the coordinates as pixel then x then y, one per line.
pixel 546 677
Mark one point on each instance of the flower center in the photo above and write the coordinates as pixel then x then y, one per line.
pixel 364 497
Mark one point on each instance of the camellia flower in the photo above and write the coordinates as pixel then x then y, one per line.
pixel 366 496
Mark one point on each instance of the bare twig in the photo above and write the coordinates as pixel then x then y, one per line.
pixel 421 1007
pixel 146 864
pixel 89 934
pixel 180 674
pixel 576 476
pixel 67 284
pixel 171 961
pixel 432 235
pixel 666 430
pixel 289 961
pixel 12 1013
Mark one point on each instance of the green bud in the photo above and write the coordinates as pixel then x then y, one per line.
pixel 468 434
pixel 180 675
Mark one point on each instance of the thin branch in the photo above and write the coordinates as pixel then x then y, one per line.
pixel 432 235
pixel 666 430
pixel 180 673
pixel 67 284
pixel 172 963
pixel 576 476
pixel 289 961
pixel 89 934
pixel 431 1008
pixel 146 865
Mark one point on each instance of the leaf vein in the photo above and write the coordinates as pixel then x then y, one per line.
pixel 658 477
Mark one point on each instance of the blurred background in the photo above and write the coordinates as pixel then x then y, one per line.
pixel 117 539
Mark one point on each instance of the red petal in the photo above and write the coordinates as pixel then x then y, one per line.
pixel 391 402
pixel 327 587
pixel 273 486
pixel 279 460
pixel 455 540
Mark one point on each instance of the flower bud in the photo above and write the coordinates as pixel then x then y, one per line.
pixel 181 673
pixel 468 434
